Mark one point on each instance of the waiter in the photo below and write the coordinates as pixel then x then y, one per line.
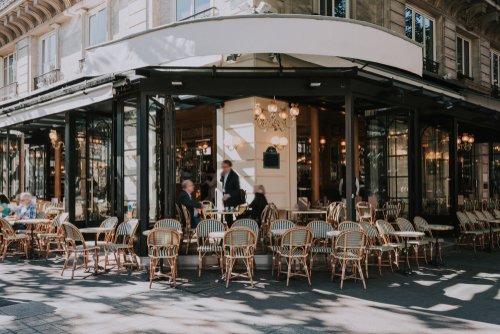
pixel 230 188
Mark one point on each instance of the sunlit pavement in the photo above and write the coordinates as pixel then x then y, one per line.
pixel 463 296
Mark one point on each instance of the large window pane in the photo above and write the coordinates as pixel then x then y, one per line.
pixel 460 55
pixel 98 27
pixel 81 170
pixel 419 28
pixel 155 106
pixel 130 156
pixel 429 39
pixel 466 56
pixel 340 8
pixel 409 23
pixel 495 68
pixel 184 8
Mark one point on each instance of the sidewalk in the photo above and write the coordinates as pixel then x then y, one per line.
pixel 460 297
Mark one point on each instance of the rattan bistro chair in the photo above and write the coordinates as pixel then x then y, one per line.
pixel 278 224
pixel 422 225
pixel 163 245
pixel 55 235
pixel 294 249
pixel 9 236
pixel 207 245
pixel 169 223
pixel 76 246
pixel 349 250
pixel 109 222
pixel 349 225
pixel 377 247
pixel 123 245
pixel 239 245
pixel 321 242
pixel 418 243
pixel 248 223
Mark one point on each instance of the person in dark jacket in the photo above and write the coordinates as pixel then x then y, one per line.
pixel 186 199
pixel 230 188
pixel 258 204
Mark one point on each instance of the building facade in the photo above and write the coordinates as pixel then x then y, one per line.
pixel 108 105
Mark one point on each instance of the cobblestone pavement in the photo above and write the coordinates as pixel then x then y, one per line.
pixel 463 296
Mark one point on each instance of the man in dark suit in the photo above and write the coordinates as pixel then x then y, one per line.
pixel 230 188
pixel 186 199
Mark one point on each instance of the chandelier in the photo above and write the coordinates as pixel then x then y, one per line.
pixel 275 118
pixel 465 141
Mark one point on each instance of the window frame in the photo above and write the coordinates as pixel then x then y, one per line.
pixel 495 53
pixel 43 38
pixel 424 14
pixel 347 8
pixel 5 74
pixel 468 40
pixel 92 12
pixel 193 3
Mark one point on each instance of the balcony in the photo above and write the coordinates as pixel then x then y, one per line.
pixel 46 79
pixel 8 91
pixel 431 66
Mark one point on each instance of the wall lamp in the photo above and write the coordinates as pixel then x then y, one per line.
pixel 233 143
pixel 279 142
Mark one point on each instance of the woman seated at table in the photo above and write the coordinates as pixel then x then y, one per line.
pixel 258 204
pixel 4 205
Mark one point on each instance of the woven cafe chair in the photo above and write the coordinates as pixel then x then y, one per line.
pixel 123 245
pixel 321 241
pixel 206 245
pixel 496 212
pixel 169 223
pixel 189 237
pixel 54 235
pixel 335 213
pixel 422 225
pixel 109 222
pixel 365 212
pixel 478 226
pixel 349 249
pixel 9 236
pixel 207 206
pixel 163 245
pixel 349 225
pixel 294 250
pixel 248 223
pixel 495 228
pixel 375 246
pixel 469 236
pixel 239 245
pixel 76 246
pixel 269 214
pixel 417 243
pixel 492 230
pixel 391 211
pixel 278 224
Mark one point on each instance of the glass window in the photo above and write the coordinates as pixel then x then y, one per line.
pixel 192 9
pixel 9 71
pixel 130 157
pixel 420 28
pixel 495 69
pixel 435 171
pixel 335 8
pixel 156 104
pixel 463 56
pixel 49 49
pixel 495 171
pixel 35 171
pixel 98 27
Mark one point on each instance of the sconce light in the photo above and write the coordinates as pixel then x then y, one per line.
pixel 279 142
pixel 322 143
pixel 232 143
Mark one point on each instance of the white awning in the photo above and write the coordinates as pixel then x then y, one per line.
pixel 67 102
pixel 286 34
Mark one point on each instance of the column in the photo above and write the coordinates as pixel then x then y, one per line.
pixel 57 170
pixel 350 178
pixel 143 171
pixel 315 150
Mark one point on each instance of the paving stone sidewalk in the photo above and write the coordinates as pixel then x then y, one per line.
pixel 463 296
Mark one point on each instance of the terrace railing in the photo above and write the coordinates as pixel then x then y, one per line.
pixel 431 66
pixel 8 91
pixel 46 79
pixel 495 91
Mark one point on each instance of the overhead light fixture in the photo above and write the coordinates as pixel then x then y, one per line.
pixel 322 143
pixel 315 84
pixel 465 141
pixel 275 118
pixel 177 83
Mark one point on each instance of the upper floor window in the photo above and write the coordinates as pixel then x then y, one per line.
pixel 463 56
pixel 495 68
pixel 420 28
pixel 335 8
pixel 98 26
pixel 185 9
pixel 9 70
pixel 49 52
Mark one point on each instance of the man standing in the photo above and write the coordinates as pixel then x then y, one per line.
pixel 186 199
pixel 230 188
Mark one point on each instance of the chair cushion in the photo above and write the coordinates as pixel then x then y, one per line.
pixel 18 237
pixel 380 248
pixel 163 253
pixel 287 252
pixel 347 256
pixel 238 253
pixel 210 248
pixel 321 249
pixel 112 246
pixel 419 242
pixel 47 235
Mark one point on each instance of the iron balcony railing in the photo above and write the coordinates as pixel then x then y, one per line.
pixel 8 92
pixel 495 91
pixel 46 79
pixel 431 66
pixel 209 12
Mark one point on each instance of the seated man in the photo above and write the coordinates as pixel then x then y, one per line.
pixel 186 199
pixel 25 210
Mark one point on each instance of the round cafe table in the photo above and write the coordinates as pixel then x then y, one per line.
pixel 406 270
pixel 96 231
pixel 32 223
pixel 438 261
